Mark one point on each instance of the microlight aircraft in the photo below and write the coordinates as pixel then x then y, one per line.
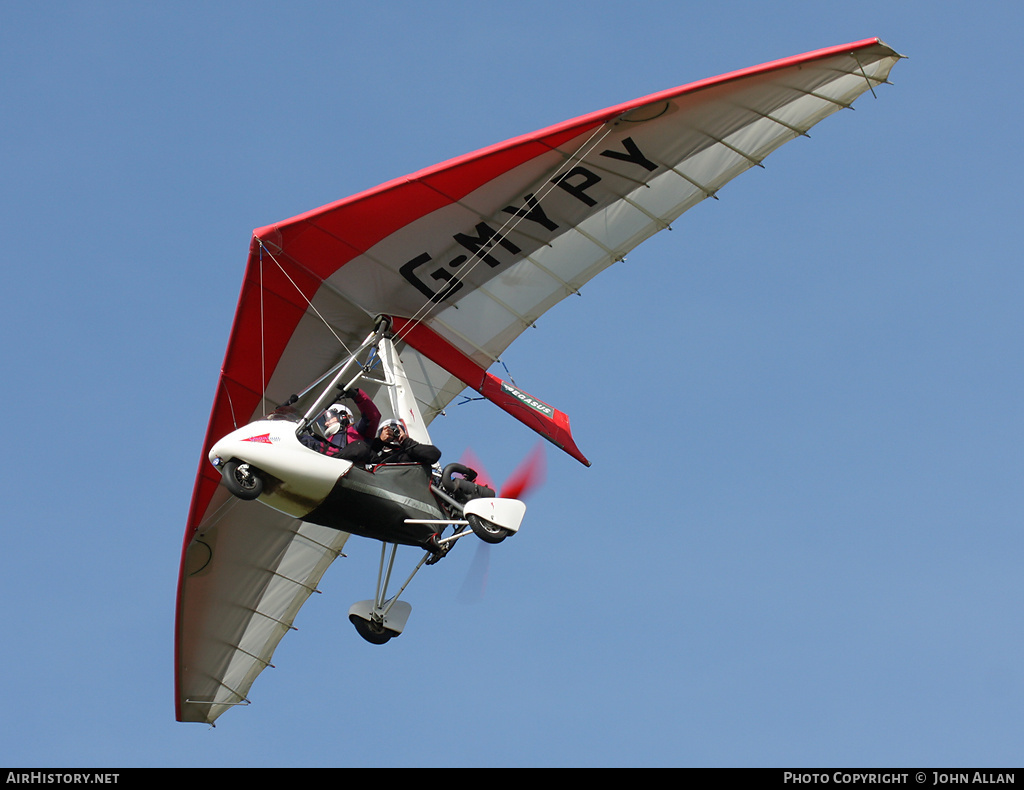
pixel 411 291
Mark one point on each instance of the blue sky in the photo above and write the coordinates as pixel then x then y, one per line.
pixel 817 561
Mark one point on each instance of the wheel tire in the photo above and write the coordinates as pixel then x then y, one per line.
pixel 485 530
pixel 375 635
pixel 242 480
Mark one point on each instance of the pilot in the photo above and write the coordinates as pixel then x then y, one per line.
pixel 347 439
pixel 394 446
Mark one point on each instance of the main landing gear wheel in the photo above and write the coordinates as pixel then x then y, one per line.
pixel 485 530
pixel 374 633
pixel 242 480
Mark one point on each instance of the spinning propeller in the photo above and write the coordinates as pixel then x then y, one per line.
pixel 526 477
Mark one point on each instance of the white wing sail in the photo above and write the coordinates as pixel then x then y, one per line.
pixel 464 256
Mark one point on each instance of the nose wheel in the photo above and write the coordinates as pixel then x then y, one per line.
pixel 242 480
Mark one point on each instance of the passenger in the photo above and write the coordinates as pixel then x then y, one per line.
pixel 394 446
pixel 346 439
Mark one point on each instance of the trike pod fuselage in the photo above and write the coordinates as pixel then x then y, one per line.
pixel 296 479
pixel 384 504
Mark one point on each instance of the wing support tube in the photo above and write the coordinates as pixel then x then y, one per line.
pixel 381 328
pixel 546 420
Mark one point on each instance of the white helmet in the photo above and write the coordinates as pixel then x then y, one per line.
pixel 340 410
pixel 396 427
pixel 343 415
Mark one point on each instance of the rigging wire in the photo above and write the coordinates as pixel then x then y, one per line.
pixel 421 314
pixel 308 301
pixel 588 145
pixel 509 225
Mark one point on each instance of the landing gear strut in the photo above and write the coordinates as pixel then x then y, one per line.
pixel 492 519
pixel 381 619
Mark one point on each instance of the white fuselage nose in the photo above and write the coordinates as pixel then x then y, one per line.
pixel 296 479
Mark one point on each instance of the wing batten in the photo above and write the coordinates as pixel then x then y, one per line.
pixel 236 638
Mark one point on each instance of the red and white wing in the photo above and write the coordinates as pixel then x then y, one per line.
pixel 464 255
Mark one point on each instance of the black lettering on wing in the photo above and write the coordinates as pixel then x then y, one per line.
pixel 632 154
